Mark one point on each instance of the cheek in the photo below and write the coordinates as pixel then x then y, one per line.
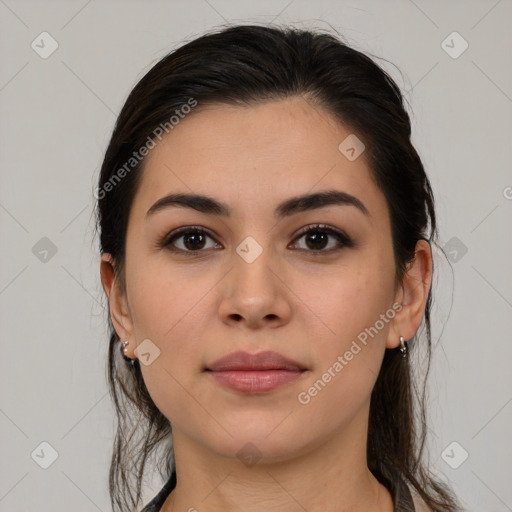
pixel 348 300
pixel 160 295
pixel 173 308
pixel 353 312
pixel 169 309
pixel 347 361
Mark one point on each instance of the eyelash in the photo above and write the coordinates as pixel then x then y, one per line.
pixel 343 239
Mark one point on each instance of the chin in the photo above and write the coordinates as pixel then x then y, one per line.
pixel 261 444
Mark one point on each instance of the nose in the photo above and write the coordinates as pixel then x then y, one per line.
pixel 255 295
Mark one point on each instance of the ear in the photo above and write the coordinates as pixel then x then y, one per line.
pixel 117 301
pixel 412 295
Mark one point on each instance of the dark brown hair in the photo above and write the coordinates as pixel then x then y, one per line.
pixel 244 65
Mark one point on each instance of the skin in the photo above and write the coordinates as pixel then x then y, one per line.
pixel 291 299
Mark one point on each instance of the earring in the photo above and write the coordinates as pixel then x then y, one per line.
pixel 403 347
pixel 124 350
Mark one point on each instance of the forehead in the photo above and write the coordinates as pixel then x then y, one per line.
pixel 253 157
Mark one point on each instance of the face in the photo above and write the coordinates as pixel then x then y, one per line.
pixel 256 279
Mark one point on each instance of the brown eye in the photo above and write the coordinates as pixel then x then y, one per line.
pixel 193 241
pixel 189 239
pixel 317 239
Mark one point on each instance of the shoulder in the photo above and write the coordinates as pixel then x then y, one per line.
pixel 419 504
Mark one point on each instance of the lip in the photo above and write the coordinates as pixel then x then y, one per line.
pixel 244 361
pixel 255 381
pixel 255 373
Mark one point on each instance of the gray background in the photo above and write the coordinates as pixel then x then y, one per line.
pixel 56 116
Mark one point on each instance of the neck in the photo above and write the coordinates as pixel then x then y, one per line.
pixel 332 477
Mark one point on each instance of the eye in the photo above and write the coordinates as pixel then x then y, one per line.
pixel 317 239
pixel 188 239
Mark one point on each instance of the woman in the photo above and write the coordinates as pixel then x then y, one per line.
pixel 265 229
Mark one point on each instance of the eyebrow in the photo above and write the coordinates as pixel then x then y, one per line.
pixel 292 206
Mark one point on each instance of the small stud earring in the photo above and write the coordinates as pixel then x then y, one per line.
pixel 403 347
pixel 124 351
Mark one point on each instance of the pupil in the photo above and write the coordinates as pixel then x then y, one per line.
pixel 317 238
pixel 192 245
